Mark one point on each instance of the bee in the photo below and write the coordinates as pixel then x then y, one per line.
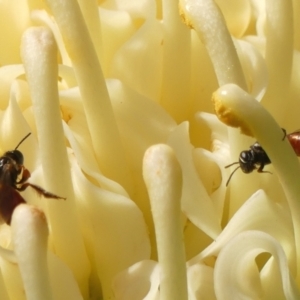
pixel 13 179
pixel 256 158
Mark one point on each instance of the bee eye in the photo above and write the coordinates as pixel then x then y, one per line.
pixel 246 161
pixel 244 157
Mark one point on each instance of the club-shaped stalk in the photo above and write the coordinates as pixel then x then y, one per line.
pixel 237 108
pixel 39 55
pixel 30 235
pixel 162 175
pixel 99 114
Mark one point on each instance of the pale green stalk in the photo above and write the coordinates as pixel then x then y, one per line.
pixel 236 108
pixel 90 12
pixel 30 235
pixel 39 55
pixel 163 178
pixel 279 56
pixel 206 18
pixel 99 114
pixel 176 63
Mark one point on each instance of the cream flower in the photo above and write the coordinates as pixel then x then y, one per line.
pixel 117 95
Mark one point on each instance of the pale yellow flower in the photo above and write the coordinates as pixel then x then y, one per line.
pixel 117 95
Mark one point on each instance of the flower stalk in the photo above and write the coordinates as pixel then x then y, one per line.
pixel 107 144
pixel 206 18
pixel 30 235
pixel 163 178
pixel 279 33
pixel 176 63
pixel 236 108
pixel 39 49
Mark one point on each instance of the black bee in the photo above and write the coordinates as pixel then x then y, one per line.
pixel 256 158
pixel 13 179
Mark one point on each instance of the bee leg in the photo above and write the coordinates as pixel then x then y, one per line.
pixel 25 175
pixel 261 169
pixel 39 190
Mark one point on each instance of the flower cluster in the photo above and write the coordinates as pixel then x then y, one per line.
pixel 117 95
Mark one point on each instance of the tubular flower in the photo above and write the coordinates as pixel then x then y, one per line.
pixel 117 96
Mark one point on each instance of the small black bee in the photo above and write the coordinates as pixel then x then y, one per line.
pixel 256 158
pixel 12 168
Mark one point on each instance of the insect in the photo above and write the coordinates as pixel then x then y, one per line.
pixel 256 158
pixel 13 179
pixel 294 139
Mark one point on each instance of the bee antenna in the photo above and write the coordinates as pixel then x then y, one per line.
pixel 231 173
pixel 231 164
pixel 23 139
